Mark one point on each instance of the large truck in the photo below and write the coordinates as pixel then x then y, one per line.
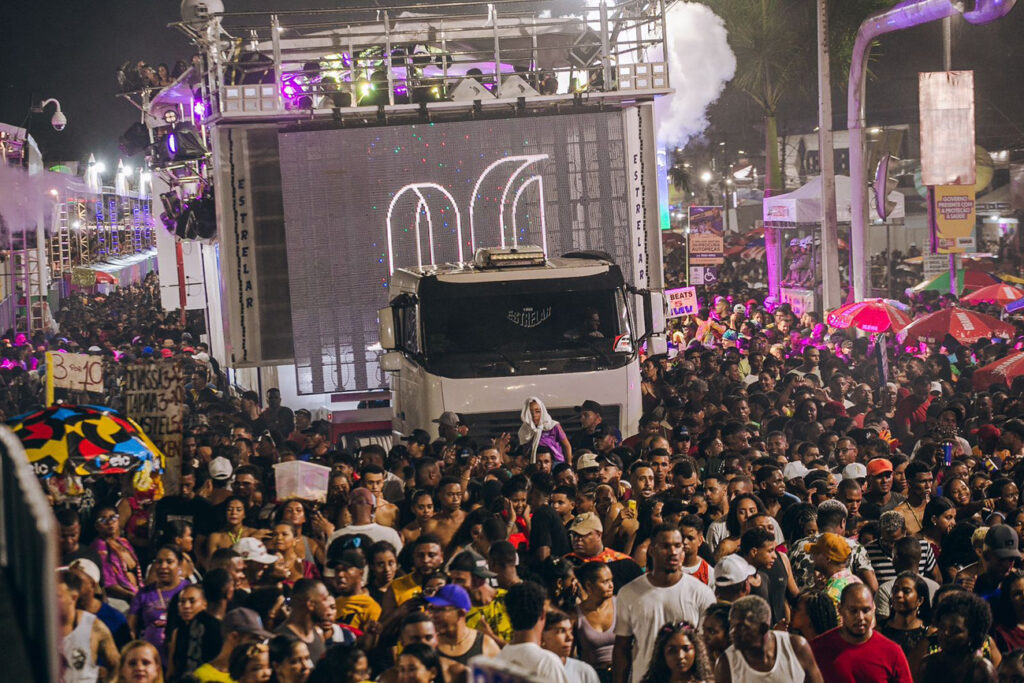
pixel 480 337
pixel 361 160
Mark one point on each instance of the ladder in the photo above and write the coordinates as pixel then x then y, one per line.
pixel 60 240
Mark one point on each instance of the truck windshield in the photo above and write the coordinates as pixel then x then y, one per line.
pixel 540 326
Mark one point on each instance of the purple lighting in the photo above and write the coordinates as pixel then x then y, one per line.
pixel 172 143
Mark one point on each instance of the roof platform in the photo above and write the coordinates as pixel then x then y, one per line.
pixel 373 66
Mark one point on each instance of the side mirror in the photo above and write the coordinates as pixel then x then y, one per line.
pixel 386 328
pixel 391 362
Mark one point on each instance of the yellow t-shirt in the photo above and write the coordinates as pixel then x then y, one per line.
pixel 405 589
pixel 208 674
pixel 357 610
pixel 495 613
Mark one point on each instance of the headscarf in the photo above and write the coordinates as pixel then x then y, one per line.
pixel 530 433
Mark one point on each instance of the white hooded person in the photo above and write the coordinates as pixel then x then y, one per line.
pixel 540 429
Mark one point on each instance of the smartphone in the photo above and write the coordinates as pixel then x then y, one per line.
pixel 632 505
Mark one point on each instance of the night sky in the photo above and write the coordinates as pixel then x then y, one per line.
pixel 70 49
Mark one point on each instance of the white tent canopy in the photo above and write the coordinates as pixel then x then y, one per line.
pixel 802 206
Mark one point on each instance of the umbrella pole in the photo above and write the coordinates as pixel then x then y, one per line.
pixel 952 275
pixel 49 379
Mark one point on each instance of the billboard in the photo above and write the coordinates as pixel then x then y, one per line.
pixel 707 241
pixel 359 203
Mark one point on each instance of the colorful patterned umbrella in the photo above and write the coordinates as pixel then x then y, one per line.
pixel 966 281
pixel 89 439
pixel 1003 371
pixel 963 325
pixel 1001 294
pixel 870 315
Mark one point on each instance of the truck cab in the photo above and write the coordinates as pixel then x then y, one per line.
pixel 479 338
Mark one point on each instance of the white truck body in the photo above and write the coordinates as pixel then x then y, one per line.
pixel 479 341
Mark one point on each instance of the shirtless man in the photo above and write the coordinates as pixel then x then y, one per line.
pixel 450 517
pixel 84 638
pixel 423 510
pixel 373 477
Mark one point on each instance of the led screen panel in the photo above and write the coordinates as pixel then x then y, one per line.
pixel 359 203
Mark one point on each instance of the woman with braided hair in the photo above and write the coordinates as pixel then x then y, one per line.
pixel 679 656
pixel 813 613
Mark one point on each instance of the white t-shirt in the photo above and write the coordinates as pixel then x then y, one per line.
pixel 643 609
pixel 580 672
pixel 536 661
pixel 695 568
pixel 377 532
pixel 717 532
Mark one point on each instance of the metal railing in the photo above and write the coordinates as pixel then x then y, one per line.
pixel 28 556
pixel 337 60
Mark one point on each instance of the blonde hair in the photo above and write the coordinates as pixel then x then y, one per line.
pixel 138 645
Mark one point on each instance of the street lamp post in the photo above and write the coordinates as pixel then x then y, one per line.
pixel 904 15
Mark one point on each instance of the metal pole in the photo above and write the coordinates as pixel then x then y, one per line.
pixel 947 63
pixel 497 51
pixel 390 62
pixel 275 41
pixel 606 67
pixel 829 229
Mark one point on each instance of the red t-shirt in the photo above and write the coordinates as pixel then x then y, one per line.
pixel 879 659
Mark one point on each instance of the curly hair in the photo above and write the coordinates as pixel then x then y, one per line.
pixel 975 611
pixel 658 671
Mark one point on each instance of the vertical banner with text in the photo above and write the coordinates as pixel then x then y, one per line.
pixel 954 216
pixel 706 243
pixel 154 397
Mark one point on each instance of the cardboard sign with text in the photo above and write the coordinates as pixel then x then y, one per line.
pixel 681 301
pixel 77 371
pixel 154 396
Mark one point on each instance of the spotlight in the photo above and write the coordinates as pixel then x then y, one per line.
pixel 182 143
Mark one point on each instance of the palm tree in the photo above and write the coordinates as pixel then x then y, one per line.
pixel 774 41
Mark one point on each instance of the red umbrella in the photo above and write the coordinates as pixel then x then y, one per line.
pixel 103 278
pixel 870 315
pixel 1001 294
pixel 963 325
pixel 1003 371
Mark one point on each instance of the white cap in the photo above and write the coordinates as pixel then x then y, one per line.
pixel 794 470
pixel 733 569
pixel 220 468
pixel 88 567
pixel 252 550
pixel 855 470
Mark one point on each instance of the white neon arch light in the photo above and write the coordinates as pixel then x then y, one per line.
pixel 422 207
pixel 526 160
pixel 540 203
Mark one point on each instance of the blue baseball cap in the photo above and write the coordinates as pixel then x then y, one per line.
pixel 451 595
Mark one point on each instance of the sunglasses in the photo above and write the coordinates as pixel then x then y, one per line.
pixel 108 519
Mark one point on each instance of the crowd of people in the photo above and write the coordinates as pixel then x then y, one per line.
pixel 782 514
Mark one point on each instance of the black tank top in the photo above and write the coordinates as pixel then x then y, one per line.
pixel 477 648
pixel 773 589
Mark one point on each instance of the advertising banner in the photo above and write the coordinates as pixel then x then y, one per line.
pixel 954 216
pixel 707 242
pixel 154 396
pixel 682 301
